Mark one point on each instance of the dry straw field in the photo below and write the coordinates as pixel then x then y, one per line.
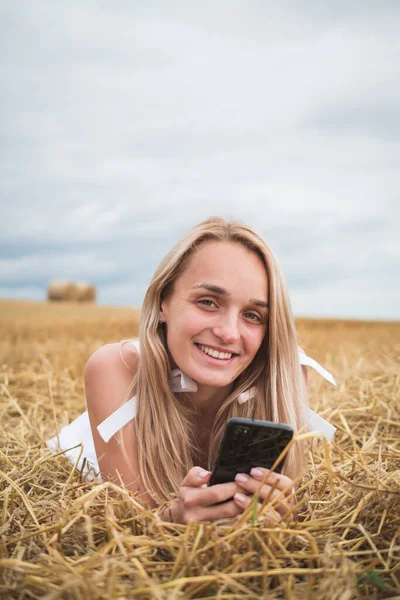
pixel 65 537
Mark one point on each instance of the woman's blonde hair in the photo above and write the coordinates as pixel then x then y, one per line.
pixel 164 430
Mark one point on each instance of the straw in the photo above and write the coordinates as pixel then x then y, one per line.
pixel 65 537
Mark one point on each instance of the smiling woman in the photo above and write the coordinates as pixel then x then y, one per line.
pixel 217 340
pixel 216 316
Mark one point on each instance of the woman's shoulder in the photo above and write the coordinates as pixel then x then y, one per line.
pixel 118 356
pixel 108 376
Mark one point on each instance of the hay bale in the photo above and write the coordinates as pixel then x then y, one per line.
pixel 85 292
pixel 69 291
pixel 61 291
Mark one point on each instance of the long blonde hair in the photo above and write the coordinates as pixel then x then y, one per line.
pixel 164 431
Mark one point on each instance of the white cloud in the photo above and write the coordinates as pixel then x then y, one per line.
pixel 127 124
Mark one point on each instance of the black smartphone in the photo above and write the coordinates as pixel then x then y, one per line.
pixel 248 443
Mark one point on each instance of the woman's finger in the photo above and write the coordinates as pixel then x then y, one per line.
pixel 227 510
pixel 244 501
pixel 282 482
pixel 210 495
pixel 252 485
pixel 271 493
pixel 196 477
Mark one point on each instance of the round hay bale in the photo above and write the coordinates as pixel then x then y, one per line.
pixel 61 291
pixel 85 292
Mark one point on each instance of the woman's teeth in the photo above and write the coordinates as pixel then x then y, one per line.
pixel 215 353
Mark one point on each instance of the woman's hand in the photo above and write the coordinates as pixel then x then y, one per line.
pixel 199 502
pixel 266 484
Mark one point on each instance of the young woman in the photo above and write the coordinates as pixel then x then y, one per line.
pixel 217 340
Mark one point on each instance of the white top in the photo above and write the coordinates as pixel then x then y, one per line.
pixel 76 439
pixel 180 382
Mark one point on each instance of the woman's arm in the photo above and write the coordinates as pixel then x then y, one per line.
pixel 108 376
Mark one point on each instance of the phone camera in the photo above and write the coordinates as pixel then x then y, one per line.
pixel 239 436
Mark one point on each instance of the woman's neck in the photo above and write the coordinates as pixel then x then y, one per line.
pixel 208 400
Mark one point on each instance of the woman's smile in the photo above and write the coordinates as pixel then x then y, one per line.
pixel 216 315
pixel 215 356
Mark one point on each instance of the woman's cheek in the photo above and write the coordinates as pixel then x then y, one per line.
pixel 199 321
pixel 256 341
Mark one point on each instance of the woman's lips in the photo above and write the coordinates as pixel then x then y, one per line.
pixel 213 359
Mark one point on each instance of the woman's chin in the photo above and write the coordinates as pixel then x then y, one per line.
pixel 216 380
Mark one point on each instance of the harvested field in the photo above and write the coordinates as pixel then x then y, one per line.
pixel 65 537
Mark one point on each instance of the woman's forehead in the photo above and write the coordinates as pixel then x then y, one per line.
pixel 228 265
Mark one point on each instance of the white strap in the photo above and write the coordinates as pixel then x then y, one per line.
pixel 247 395
pixel 304 360
pixel 314 422
pixel 117 420
pixel 310 362
pixel 180 382
pixel 319 424
pixel 186 384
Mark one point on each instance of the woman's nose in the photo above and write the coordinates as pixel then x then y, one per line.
pixel 227 331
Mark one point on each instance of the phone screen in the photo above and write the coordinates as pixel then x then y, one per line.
pixel 248 443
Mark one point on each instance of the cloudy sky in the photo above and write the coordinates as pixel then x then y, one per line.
pixel 125 123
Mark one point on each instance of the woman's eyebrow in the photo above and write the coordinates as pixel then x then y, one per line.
pixel 259 303
pixel 212 288
pixel 216 289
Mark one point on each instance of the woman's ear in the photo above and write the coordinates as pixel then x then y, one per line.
pixel 161 316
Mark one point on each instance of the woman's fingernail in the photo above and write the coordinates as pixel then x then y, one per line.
pixel 241 498
pixel 241 477
pixel 203 474
pixel 256 473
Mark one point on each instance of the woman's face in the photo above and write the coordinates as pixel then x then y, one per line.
pixel 216 316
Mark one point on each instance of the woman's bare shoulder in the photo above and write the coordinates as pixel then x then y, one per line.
pixel 129 355
pixel 107 385
pixel 119 356
pixel 108 376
